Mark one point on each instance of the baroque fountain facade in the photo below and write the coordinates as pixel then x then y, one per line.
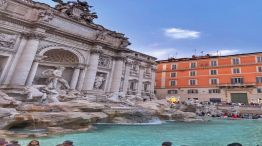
pixel 36 40
pixel 61 72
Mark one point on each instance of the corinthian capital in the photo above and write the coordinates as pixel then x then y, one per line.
pixel 32 35
pixel 97 49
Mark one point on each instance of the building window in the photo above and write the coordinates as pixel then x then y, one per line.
pixel 172 91
pixel 172 83
pixel 146 87
pixel 213 72
pixel 259 79
pixel 192 82
pixel 259 69
pixel 236 71
pixel 237 80
pixel 236 61
pixel 173 75
pixel 214 91
pixel 213 81
pixel 173 67
pixel 132 86
pixel 192 91
pixel 213 63
pixel 192 73
pixel 259 90
pixel 192 65
pixel 259 59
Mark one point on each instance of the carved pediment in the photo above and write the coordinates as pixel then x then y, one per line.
pixel 78 10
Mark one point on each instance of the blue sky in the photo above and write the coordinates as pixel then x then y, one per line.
pixel 181 28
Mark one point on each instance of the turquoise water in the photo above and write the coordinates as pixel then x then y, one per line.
pixel 212 133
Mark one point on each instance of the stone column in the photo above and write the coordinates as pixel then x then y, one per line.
pixel 127 74
pixel 92 69
pixel 26 59
pixel 16 57
pixel 81 78
pixel 74 78
pixel 140 79
pixel 33 70
pixel 153 78
pixel 116 81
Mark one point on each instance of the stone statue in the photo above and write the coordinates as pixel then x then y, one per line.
pixel 101 35
pixel 99 81
pixel 119 97
pixel 7 100
pixel 45 94
pixel 78 10
pixel 3 3
pixel 54 77
pixel 46 15
pixel 124 43
pixel 50 92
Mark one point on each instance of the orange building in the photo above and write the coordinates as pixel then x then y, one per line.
pixel 233 78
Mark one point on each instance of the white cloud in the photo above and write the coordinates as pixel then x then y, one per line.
pixel 177 33
pixel 224 52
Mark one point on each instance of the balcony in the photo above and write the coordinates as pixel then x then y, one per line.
pixel 238 85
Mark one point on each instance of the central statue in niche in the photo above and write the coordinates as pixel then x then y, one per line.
pixel 54 77
pixel 51 91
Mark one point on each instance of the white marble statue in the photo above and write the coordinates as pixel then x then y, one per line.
pixel 55 76
pixel 99 81
pixel 46 95
pixel 119 98
pixel 7 100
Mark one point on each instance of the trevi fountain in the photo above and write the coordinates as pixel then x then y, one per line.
pixel 61 72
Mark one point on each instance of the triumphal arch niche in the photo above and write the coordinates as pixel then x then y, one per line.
pixel 46 50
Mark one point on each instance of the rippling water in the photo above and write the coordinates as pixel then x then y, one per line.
pixel 212 133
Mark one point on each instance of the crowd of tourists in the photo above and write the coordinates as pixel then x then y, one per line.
pixel 170 144
pixel 3 142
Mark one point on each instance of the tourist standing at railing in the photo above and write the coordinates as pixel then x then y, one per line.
pixel 234 144
pixel 34 143
pixel 167 143
pixel 68 143
pixel 14 143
